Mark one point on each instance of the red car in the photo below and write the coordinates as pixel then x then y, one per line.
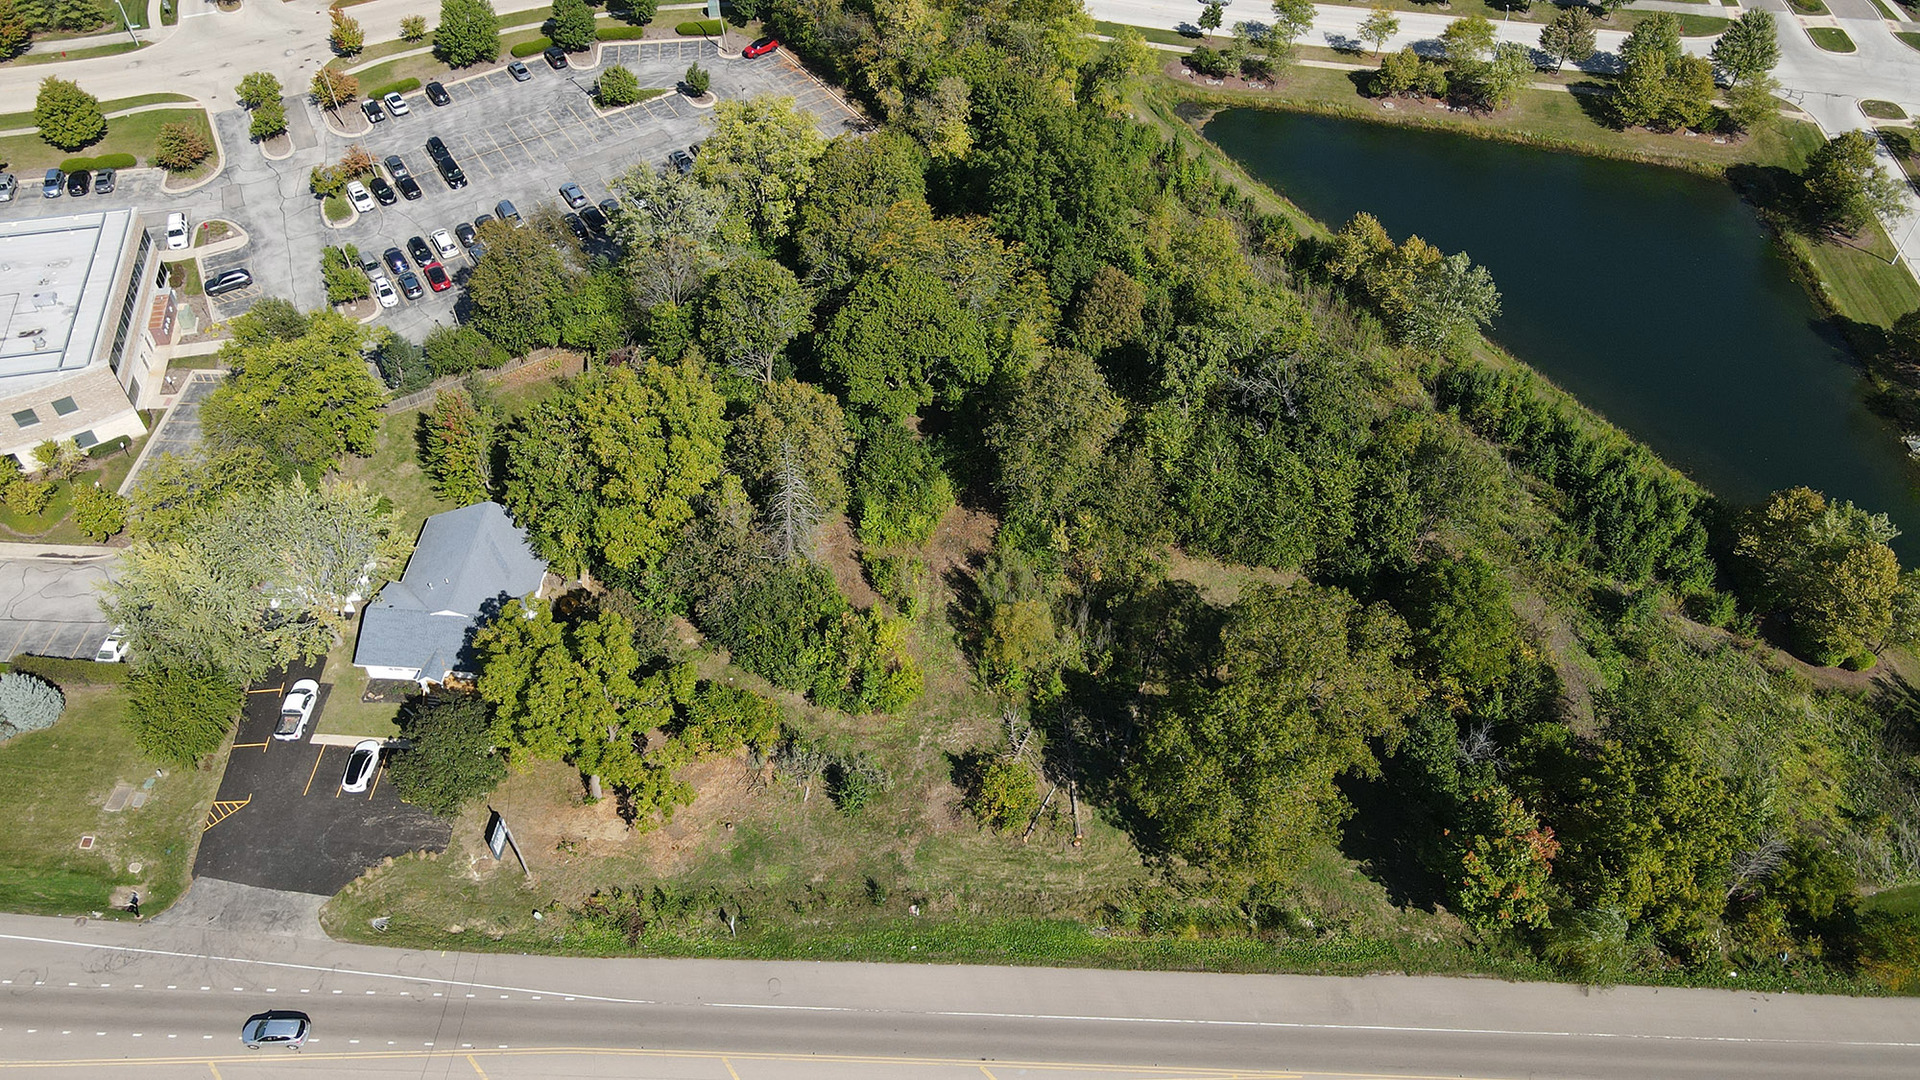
pixel 437 278
pixel 760 48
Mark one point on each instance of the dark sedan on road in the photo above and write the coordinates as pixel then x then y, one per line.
pixel 556 57
pixel 409 188
pixel 464 233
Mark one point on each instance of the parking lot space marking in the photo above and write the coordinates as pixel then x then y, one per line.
pixel 316 770
pixel 251 745
pixel 375 786
pixel 221 811
pixel 269 689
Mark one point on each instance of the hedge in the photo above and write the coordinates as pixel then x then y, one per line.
pixel 700 28
pixel 404 86
pixel 104 161
pixel 619 33
pixel 63 672
pixel 530 48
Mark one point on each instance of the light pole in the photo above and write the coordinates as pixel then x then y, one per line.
pixel 126 22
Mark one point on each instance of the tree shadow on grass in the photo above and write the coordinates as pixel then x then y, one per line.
pixel 1387 835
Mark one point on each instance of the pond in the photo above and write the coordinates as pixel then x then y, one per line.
pixel 1652 295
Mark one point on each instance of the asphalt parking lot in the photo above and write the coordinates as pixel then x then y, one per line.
pixel 281 821
pixel 51 607
pixel 521 141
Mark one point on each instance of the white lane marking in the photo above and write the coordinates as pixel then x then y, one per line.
pixel 1196 1022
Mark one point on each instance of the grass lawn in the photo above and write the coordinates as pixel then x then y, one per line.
pixel 1831 38
pixel 1908 36
pixel 134 135
pixel 11 121
pixel 345 713
pixel 1882 110
pixel 53 785
pixel 53 54
pixel 1623 20
pixel 51 525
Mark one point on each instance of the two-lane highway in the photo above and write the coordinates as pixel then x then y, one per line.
pixel 159 1002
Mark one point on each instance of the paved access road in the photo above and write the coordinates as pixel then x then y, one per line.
pixel 165 1002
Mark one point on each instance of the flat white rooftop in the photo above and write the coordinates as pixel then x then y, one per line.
pixel 56 293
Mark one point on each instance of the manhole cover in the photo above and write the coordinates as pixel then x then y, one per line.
pixel 134 867
pixel 86 843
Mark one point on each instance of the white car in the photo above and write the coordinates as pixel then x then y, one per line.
pixel 383 291
pixel 361 765
pixel 443 242
pixel 296 710
pixel 177 234
pixel 359 196
pixel 114 649
pixel 396 104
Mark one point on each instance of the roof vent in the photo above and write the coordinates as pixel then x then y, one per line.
pixel 39 344
pixel 45 299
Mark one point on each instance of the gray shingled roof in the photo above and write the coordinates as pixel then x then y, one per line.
pixel 468 563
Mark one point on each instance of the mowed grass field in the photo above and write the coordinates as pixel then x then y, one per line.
pixel 53 787
pixel 28 155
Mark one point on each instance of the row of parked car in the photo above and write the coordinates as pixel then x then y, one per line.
pixel 73 184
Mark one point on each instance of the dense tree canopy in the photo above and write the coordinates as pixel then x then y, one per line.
pixel 299 391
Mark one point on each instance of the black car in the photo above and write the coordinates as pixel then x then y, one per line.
pixel 409 188
pixel 374 112
pixel 103 181
pixel 610 206
pixel 410 285
pixel 78 182
pixel 556 57
pixel 481 222
pixel 596 221
pixel 417 247
pixel 438 94
pixel 382 191
pixel 579 227
pixel 449 168
pixel 225 283
pixel 681 160
pixel 435 148
pixel 464 233
pixel 507 212
pixel 396 261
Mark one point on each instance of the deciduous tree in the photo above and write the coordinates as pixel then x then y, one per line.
pixel 617 86
pixel 572 25
pixel 1747 49
pixel 97 512
pixel 1826 569
pixel 1845 186
pixel 1291 18
pixel 1378 27
pixel 413 27
pixel 346 37
pixel 469 33
pixel 16 33
pixel 180 715
pixel 901 339
pixel 257 89
pixel 305 402
pixel 332 89
pixel 449 758
pixel 1570 37
pixel 457 440
pixel 798 418
pixel 751 310
pixel 761 153
pixel 67 116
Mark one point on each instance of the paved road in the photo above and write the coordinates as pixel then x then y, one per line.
pixel 164 1002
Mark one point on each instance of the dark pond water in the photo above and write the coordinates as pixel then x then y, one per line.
pixel 1652 295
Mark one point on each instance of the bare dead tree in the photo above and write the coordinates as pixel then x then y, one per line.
pixel 668 272
pixel 792 508
pixel 1477 747
pixel 1757 863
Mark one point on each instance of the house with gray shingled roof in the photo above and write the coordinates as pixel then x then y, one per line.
pixel 468 564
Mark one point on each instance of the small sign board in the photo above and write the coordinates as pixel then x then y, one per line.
pixel 496 834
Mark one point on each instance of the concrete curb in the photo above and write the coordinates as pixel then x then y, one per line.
pixel 236 239
pixel 57 552
pixel 219 149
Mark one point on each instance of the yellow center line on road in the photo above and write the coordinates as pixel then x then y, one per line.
pixel 730 1072
pixel 315 772
pixel 216 1071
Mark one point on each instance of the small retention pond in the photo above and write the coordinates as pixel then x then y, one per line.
pixel 1652 295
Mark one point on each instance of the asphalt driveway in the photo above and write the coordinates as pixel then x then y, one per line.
pixel 281 821
pixel 51 607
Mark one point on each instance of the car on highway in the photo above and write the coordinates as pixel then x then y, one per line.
pixel 53 185
pixel 396 104
pixel 230 281
pixel 467 234
pixel 505 209
pixel 358 195
pixel 276 1027
pixel 103 181
pixel 417 247
pixel 361 765
pixel 296 710
pixel 79 182
pixel 8 185
pixel 437 278
pixel 519 71
pixel 571 192
pixel 383 191
pixel 396 261
pixel 556 57
pixel 409 188
pixel 410 286
pixel 177 234
pixel 760 48
pixel 438 94
pixel 383 290
pixel 374 112
pixel 443 243
pixel 114 648
pixel 681 160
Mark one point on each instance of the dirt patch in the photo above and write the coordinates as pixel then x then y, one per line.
pixel 962 536
pixel 1221 583
pixel 836 546
pixel 1564 652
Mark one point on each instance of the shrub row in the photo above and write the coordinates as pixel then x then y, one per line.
pixel 104 161
pixel 63 672
pixel 403 86
pixel 619 33
pixel 531 48
pixel 698 28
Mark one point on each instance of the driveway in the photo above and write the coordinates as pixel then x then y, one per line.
pixel 281 821
pixel 51 607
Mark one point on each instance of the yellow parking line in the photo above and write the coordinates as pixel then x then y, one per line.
pixel 249 745
pixel 375 786
pixel 269 689
pixel 316 770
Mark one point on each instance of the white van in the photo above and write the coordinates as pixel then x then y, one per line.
pixel 177 234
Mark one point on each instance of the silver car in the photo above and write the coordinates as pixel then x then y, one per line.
pixel 279 1027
